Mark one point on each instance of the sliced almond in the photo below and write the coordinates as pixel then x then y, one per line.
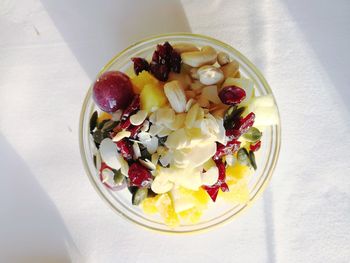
pixel 148 164
pixel 144 136
pixel 164 115
pixel 161 184
pixel 210 177
pixel 177 139
pixel 152 145
pixel 136 150
pixel 189 104
pixel 164 132
pixel 138 118
pixel 191 116
pixel 178 122
pixel 109 153
pixel 155 129
pixel 121 135
pixel 176 96
pixel 145 126
pixel 211 94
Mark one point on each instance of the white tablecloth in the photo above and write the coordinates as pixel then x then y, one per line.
pixel 49 53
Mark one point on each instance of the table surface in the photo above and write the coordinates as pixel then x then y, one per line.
pixel 51 50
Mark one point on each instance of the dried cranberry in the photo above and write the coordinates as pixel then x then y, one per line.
pixel 220 184
pixel 139 175
pixel 232 95
pixel 255 147
pixel 175 62
pixel 140 64
pixel 230 148
pixel 160 71
pixel 132 108
pixel 241 126
pixel 125 148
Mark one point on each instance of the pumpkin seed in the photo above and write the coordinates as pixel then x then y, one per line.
pixel 139 196
pixel 252 135
pixel 98 136
pixel 118 176
pixel 132 189
pixel 101 124
pixel 109 125
pixel 252 159
pixel 93 121
pixel 243 157
pixel 231 115
pixel 145 154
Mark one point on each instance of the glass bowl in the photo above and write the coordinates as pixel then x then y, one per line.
pixel 217 213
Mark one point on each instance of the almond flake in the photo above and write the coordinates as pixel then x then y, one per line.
pixel 155 129
pixel 148 164
pixel 165 115
pixel 176 96
pixel 211 94
pixel 210 177
pixel 138 118
pixel 109 153
pixel 121 135
pixel 145 126
pixel 191 116
pixel 164 132
pixel 189 104
pixel 136 150
pixel 152 145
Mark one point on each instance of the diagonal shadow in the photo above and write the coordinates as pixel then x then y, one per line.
pixel 95 31
pixel 328 34
pixel 31 229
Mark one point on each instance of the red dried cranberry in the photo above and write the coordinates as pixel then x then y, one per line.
pixel 220 184
pixel 175 62
pixel 230 148
pixel 139 176
pixel 160 71
pixel 255 147
pixel 232 95
pixel 125 148
pixel 132 108
pixel 241 126
pixel 140 64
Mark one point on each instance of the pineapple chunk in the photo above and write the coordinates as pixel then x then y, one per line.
pixel 239 192
pixel 152 97
pixel 142 79
pixel 166 210
pixel 192 215
pixel 149 205
pixel 103 116
pixel 235 173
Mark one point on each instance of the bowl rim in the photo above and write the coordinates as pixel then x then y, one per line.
pixel 270 171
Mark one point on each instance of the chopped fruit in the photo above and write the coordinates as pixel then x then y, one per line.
pixel 142 79
pixel 140 64
pixel 220 184
pixel 235 173
pixel 232 95
pixel 139 176
pixel 103 116
pixel 112 91
pixel 255 147
pixel 201 197
pixel 166 210
pixel 239 192
pixel 149 205
pixel 152 97
pixel 192 215
pixel 230 148
pixel 125 148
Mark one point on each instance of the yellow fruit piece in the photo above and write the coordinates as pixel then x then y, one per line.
pixel 142 79
pixel 152 96
pixel 149 205
pixel 103 116
pixel 192 215
pixel 166 210
pixel 235 173
pixel 239 192
pixel 202 198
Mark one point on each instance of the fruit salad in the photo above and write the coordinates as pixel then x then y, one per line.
pixel 180 131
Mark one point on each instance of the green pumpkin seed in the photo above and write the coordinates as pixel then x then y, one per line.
pixel 118 176
pixel 252 135
pixel 132 189
pixel 139 196
pixel 243 157
pixel 99 135
pixel 101 124
pixel 109 125
pixel 252 159
pixel 231 114
pixel 93 121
